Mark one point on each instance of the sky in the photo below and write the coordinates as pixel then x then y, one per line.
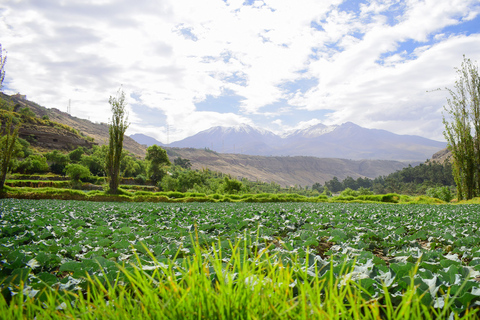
pixel 280 65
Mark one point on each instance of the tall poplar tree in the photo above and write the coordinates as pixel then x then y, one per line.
pixel 3 59
pixel 116 129
pixel 8 148
pixel 8 133
pixel 462 132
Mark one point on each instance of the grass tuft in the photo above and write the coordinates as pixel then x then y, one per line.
pixel 208 285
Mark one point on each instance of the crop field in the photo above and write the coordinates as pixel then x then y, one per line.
pixel 381 247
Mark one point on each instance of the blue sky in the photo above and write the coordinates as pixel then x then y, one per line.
pixel 279 65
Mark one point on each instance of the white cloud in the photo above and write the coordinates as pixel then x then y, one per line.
pixel 174 54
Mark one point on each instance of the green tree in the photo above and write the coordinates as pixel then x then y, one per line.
pixel 184 163
pixel 3 59
pixel 95 162
pixel 158 159
pixel 116 130
pixel 77 172
pixel 334 185
pixel 462 132
pixel 169 183
pixel 188 178
pixel 232 186
pixel 58 161
pixel 8 148
pixel 443 193
pixel 76 155
pixel 130 166
pixel 34 163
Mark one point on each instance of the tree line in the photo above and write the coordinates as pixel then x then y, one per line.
pixel 410 180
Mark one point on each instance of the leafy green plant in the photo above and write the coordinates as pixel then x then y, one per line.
pixel 443 193
pixel 77 172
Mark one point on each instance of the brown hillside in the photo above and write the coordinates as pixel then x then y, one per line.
pixel 286 171
pixel 442 156
pixel 98 131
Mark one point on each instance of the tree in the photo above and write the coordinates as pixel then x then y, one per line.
pixel 158 159
pixel 96 161
pixel 130 166
pixel 334 185
pixel 116 130
pixel 76 155
pixel 77 172
pixel 3 59
pixel 462 132
pixel 232 186
pixel 34 163
pixel 7 147
pixel 58 161
pixel 184 163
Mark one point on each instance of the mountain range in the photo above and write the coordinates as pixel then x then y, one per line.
pixel 345 141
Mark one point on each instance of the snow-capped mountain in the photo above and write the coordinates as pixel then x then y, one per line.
pixel 311 132
pixel 347 141
pixel 237 139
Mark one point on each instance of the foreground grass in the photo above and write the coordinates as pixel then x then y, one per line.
pixel 210 286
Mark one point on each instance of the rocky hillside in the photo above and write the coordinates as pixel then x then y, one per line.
pixel 97 131
pixel 286 171
pixel 442 156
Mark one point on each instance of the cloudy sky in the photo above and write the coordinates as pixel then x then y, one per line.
pixel 188 65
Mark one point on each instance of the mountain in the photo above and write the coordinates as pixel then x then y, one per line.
pixel 145 140
pixel 351 141
pixel 285 171
pixel 242 139
pixel 346 141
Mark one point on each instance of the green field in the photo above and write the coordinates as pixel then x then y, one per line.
pixel 387 250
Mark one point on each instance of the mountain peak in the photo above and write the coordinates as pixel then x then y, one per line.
pixel 312 131
pixel 239 128
pixel 347 141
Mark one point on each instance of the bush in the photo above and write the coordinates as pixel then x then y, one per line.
pixel 140 179
pixel 34 163
pixel 364 191
pixel 232 186
pixel 76 155
pixel 443 193
pixel 26 112
pixel 77 172
pixel 349 193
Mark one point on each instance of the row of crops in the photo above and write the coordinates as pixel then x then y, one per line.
pixel 57 243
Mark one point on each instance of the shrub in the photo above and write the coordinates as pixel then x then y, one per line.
pixel 77 172
pixel 364 191
pixel 443 193
pixel 349 193
pixel 26 112
pixel 34 163
pixel 232 186
pixel 140 179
